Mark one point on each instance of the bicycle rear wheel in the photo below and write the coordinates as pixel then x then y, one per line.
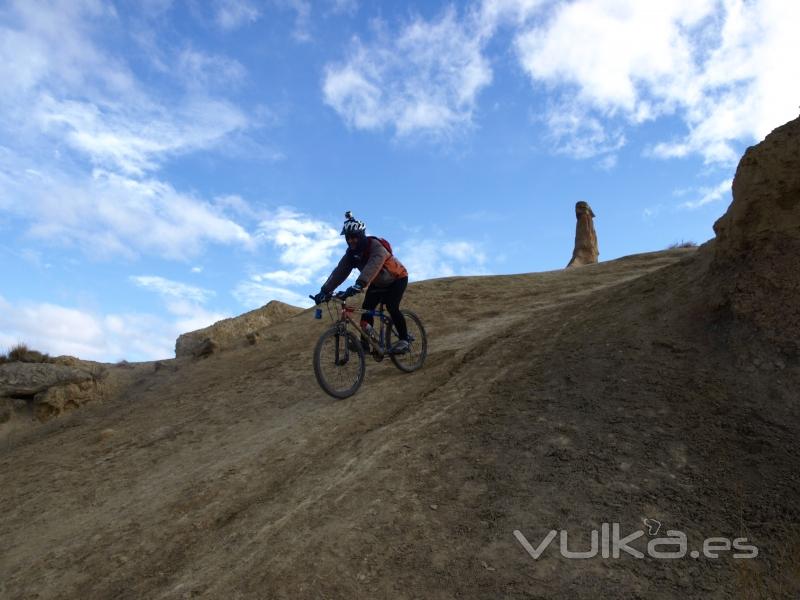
pixel 339 364
pixel 417 343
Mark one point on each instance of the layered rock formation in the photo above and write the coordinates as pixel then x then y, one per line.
pixel 586 251
pixel 49 389
pixel 234 332
pixel 755 265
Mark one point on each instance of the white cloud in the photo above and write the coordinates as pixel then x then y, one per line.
pixel 305 247
pixel 191 317
pixel 608 162
pixel 304 243
pixel 232 14
pixel 172 289
pixel 134 140
pixel 576 133
pixel 623 44
pixel 49 43
pixel 237 205
pixel 67 105
pixel 108 215
pixel 186 303
pixel 59 330
pixel 463 252
pixel 495 13
pixel 135 337
pixel 427 259
pixel 300 276
pixel 302 9
pixel 708 195
pixel 726 68
pixel 253 294
pixel 423 80
pixel 202 71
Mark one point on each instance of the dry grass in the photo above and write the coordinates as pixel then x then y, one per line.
pixel 682 244
pixel 21 353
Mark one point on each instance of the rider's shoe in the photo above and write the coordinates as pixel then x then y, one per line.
pixel 400 347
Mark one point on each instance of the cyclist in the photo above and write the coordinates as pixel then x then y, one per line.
pixel 382 274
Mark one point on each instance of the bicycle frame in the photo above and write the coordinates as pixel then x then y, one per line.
pixel 346 317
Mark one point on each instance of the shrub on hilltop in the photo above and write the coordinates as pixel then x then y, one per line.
pixel 21 353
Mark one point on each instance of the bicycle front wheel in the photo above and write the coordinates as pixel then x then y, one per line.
pixel 417 343
pixel 339 364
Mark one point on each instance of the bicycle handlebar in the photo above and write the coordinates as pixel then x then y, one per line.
pixel 341 296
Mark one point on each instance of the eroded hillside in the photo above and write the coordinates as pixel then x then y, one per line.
pixel 555 400
pixel 642 388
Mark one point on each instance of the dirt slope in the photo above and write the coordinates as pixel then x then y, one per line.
pixel 556 400
pixel 660 386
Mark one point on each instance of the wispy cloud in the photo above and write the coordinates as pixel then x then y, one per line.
pixel 49 44
pixel 299 276
pixel 427 259
pixel 186 303
pixel 423 80
pixel 302 10
pixel 650 212
pixel 134 140
pixel 172 289
pixel 253 294
pixel 303 242
pixel 230 15
pixel 305 247
pixel 710 194
pixel 108 215
pixel 85 138
pixel 204 71
pixel 576 133
pixel 348 7
pixel 233 14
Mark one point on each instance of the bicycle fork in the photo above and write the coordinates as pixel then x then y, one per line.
pixel 342 351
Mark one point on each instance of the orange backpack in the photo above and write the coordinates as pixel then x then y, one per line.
pixel 383 242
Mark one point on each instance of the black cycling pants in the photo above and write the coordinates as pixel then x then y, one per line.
pixel 390 296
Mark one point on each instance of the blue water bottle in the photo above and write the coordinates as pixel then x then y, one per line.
pixel 318 313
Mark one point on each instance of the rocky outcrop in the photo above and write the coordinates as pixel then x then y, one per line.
pixel 233 333
pixel 586 251
pixel 48 389
pixel 755 265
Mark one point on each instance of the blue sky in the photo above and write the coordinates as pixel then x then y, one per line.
pixel 167 163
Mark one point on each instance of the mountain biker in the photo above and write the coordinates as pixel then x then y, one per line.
pixel 382 274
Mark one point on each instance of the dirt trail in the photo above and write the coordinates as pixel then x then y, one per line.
pixel 554 400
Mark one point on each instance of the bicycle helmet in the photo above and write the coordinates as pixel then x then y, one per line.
pixel 353 227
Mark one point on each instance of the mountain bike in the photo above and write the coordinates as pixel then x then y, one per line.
pixel 339 356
